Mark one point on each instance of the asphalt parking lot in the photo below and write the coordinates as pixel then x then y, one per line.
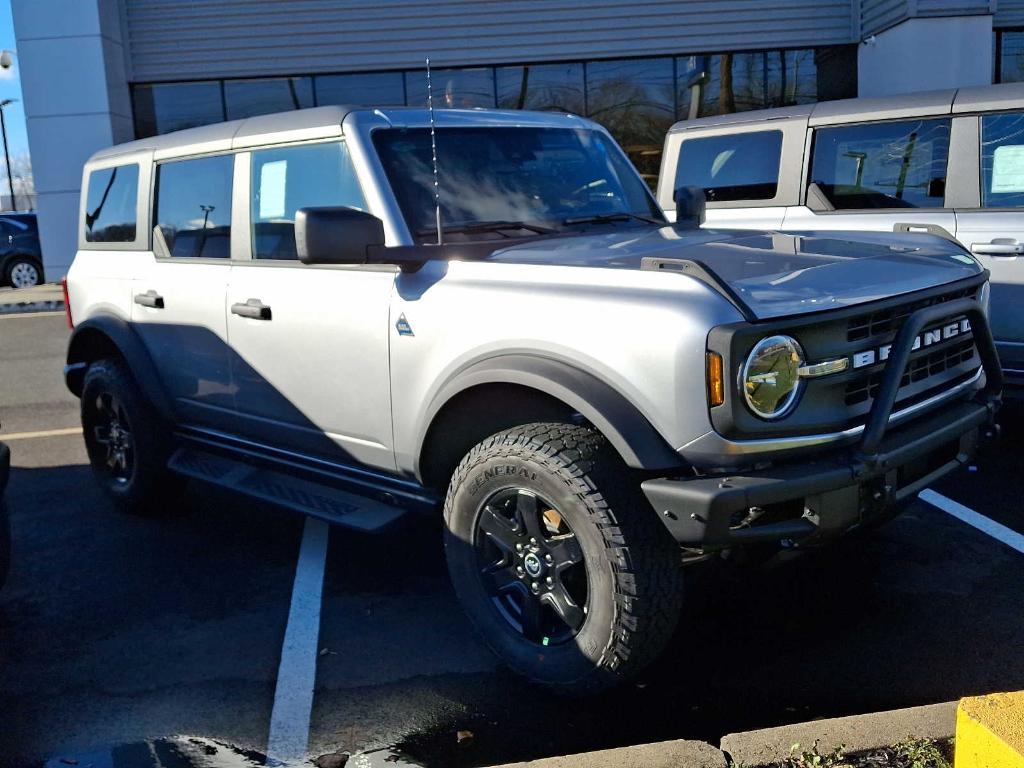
pixel 117 630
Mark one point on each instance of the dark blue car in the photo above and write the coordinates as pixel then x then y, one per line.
pixel 21 261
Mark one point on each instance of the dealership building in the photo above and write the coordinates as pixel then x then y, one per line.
pixel 101 72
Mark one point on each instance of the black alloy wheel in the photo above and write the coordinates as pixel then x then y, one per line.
pixel 112 430
pixel 532 566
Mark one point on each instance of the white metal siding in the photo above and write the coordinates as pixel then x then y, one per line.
pixel 1009 13
pixel 181 39
pixel 877 15
pixel 952 7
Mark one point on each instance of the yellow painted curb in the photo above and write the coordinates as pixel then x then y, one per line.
pixel 990 731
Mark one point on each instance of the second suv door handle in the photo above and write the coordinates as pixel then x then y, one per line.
pixel 150 299
pixel 998 249
pixel 253 309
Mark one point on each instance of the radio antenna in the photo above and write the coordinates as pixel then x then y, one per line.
pixel 433 154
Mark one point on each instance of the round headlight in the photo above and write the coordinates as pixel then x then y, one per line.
pixel 770 378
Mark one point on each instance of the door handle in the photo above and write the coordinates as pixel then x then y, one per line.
pixel 254 309
pixel 150 299
pixel 998 249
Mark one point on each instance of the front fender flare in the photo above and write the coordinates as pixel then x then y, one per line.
pixel 621 422
pixel 96 338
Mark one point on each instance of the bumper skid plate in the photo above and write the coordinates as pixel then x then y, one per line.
pixel 807 499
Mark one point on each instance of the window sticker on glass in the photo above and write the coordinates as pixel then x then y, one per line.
pixel 1008 169
pixel 272 181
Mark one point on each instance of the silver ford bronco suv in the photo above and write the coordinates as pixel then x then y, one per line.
pixel 360 314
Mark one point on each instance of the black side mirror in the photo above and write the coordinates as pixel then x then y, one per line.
pixel 690 205
pixel 336 235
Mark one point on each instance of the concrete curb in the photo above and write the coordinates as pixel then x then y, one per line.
pixel 857 733
pixel 32 306
pixel 990 731
pixel 48 297
pixel 664 754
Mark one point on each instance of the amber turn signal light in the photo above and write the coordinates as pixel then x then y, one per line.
pixel 716 381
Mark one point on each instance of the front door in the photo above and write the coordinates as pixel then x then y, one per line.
pixel 994 232
pixel 876 176
pixel 178 295
pixel 309 343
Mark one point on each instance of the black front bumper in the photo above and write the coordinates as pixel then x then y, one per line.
pixel 839 490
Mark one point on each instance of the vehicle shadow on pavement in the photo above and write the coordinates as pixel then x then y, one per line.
pixel 921 611
pixel 115 628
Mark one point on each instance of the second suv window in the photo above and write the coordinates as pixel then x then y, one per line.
pixel 882 165
pixel 193 206
pixel 285 180
pixel 1002 161
pixel 741 166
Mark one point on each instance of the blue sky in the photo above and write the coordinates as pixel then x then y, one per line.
pixel 10 86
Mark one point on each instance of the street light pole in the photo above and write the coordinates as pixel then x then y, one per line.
pixel 7 156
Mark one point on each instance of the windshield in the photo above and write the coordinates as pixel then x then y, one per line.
pixel 511 181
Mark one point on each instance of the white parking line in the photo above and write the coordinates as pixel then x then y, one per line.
pixel 296 674
pixel 43 433
pixel 1008 536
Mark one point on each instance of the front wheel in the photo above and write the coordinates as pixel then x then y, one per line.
pixel 560 564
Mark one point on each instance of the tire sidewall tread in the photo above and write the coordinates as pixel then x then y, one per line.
pixel 152 487
pixel 632 562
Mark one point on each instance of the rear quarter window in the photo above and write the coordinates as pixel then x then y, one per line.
pixel 110 205
pixel 739 166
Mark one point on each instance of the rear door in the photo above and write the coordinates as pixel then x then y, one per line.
pixel 992 226
pixel 179 289
pixel 309 343
pixel 877 176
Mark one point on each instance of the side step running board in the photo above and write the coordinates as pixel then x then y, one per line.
pixel 330 504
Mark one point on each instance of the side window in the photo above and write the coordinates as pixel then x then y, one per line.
pixel 882 165
pixel 740 166
pixel 110 202
pixel 287 179
pixel 193 206
pixel 1002 161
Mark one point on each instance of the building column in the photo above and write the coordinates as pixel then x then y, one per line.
pixel 925 54
pixel 74 82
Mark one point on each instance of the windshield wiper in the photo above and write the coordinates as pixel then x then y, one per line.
pixel 602 218
pixel 471 227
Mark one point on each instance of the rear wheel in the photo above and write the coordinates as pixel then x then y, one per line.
pixel 126 442
pixel 564 569
pixel 24 272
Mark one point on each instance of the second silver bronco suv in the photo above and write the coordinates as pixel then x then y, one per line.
pixel 593 397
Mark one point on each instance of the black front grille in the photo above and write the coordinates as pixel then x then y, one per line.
pixel 889 320
pixel 919 369
pixel 863 336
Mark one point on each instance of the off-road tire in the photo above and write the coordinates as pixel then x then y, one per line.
pixel 150 488
pixel 633 567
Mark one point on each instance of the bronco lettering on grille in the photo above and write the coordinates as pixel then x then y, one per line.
pixel 928 338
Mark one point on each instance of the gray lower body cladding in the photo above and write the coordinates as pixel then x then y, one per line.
pixel 827 496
